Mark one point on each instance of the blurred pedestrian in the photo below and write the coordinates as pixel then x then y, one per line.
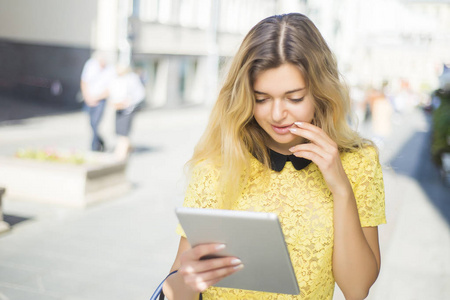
pixel 359 105
pixel 126 93
pixel 381 115
pixel 278 141
pixel 95 79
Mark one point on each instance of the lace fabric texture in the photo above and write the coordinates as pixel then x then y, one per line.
pixel 304 205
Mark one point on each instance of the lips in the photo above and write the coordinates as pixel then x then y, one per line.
pixel 282 129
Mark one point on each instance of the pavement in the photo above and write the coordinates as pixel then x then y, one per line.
pixel 123 247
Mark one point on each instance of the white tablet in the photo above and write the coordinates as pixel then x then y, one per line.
pixel 255 238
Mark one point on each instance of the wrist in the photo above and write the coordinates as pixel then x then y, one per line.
pixel 174 287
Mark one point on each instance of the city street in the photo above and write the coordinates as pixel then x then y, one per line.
pixel 122 248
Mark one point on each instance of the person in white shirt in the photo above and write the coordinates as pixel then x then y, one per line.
pixel 95 79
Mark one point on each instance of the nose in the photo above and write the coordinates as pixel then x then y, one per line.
pixel 278 110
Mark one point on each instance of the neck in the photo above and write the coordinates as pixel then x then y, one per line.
pixel 283 148
pixel 280 150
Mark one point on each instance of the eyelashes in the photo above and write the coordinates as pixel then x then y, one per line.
pixel 296 100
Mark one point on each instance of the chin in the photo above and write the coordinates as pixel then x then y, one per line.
pixel 284 141
pixel 284 144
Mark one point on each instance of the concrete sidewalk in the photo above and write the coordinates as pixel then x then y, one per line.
pixel 116 250
pixel 415 243
pixel 122 248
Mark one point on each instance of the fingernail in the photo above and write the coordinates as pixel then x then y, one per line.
pixel 292 149
pixel 298 123
pixel 238 267
pixel 236 261
pixel 220 247
pixel 293 129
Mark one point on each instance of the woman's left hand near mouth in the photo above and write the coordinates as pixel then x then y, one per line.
pixel 324 152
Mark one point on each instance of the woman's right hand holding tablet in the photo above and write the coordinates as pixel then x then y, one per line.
pixel 200 269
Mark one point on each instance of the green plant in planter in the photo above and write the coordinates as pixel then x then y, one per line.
pixel 51 155
pixel 441 127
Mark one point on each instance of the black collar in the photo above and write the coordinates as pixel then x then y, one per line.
pixel 278 161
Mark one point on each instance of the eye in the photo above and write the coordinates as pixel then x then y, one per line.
pixel 296 100
pixel 261 98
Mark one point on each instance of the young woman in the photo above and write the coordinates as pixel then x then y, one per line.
pixel 126 93
pixel 278 141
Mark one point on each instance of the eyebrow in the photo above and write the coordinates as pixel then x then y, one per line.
pixel 288 92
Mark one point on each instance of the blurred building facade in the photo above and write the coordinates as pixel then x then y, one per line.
pixel 180 46
pixel 393 41
pixel 175 45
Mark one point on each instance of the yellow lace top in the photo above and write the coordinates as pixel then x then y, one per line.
pixel 305 208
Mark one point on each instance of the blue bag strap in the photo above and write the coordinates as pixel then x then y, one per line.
pixel 158 291
pixel 159 288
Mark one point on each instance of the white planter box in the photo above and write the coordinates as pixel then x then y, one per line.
pixel 101 178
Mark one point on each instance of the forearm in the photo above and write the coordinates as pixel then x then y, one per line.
pixel 355 265
pixel 175 289
pixel 84 90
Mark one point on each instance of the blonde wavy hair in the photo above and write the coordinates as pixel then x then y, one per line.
pixel 233 135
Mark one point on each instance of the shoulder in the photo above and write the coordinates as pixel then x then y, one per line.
pixel 361 162
pixel 90 62
pixel 204 168
pixel 89 68
pixel 90 65
pixel 364 154
pixel 202 190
